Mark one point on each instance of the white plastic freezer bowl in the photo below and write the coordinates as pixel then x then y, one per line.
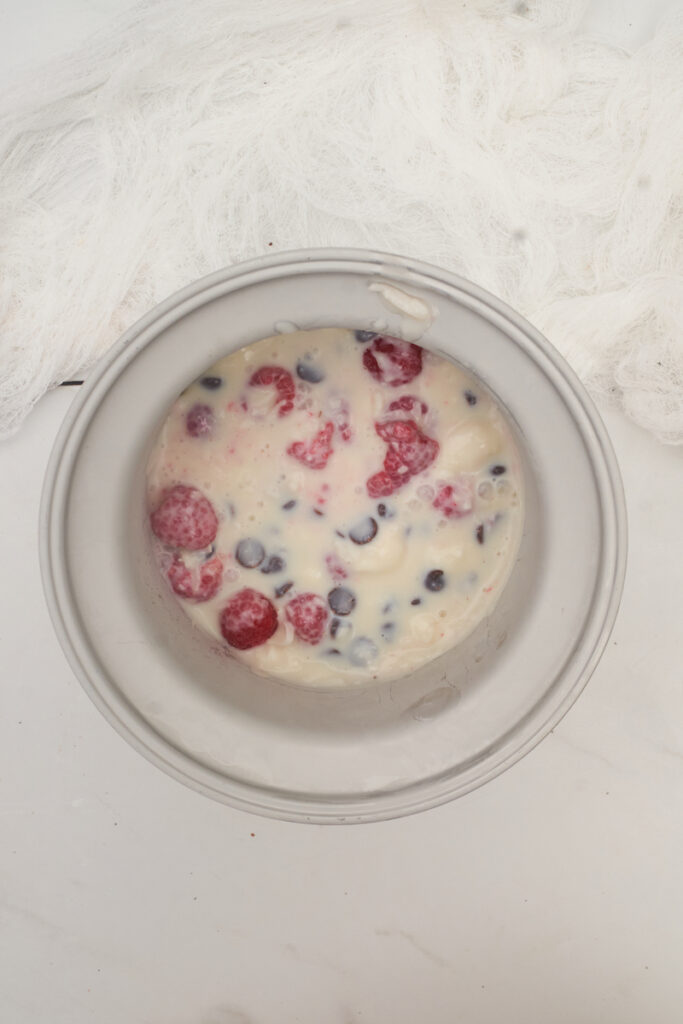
pixel 316 755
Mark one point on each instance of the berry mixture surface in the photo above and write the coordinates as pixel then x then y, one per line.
pixel 335 506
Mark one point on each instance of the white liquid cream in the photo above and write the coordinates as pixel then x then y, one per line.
pixel 336 506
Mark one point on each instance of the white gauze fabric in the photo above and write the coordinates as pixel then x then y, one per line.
pixel 485 136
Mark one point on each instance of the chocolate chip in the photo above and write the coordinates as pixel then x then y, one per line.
pixel 340 534
pixel 307 370
pixel 362 651
pixel 333 650
pixel 364 531
pixel 318 511
pixel 273 564
pixel 416 600
pixel 435 580
pixel 211 383
pixel 289 504
pixel 364 336
pixel 283 588
pixel 470 397
pixel 479 533
pixel 497 470
pixel 250 552
pixel 341 600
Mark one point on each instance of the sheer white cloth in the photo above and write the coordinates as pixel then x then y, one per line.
pixel 485 136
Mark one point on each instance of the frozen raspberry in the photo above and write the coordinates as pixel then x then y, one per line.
pixel 395 467
pixel 392 361
pixel 198 584
pixel 419 454
pixel 455 500
pixel 335 568
pixel 281 380
pixel 308 613
pixel 397 431
pixel 315 453
pixel 408 446
pixel 248 619
pixel 382 484
pixel 200 420
pixel 185 519
pixel 409 403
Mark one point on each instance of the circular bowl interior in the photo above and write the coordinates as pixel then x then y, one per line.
pixel 321 755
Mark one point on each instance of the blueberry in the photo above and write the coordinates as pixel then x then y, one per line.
pixel 435 580
pixel 289 504
pixel 364 336
pixel 362 651
pixel 250 553
pixel 283 588
pixel 273 564
pixel 364 531
pixel 479 533
pixel 341 600
pixel 470 397
pixel 307 370
pixel 387 630
pixel 211 383
pixel 497 470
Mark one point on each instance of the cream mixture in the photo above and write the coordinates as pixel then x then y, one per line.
pixel 335 506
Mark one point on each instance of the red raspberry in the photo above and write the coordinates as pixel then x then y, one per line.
pixel 409 451
pixel 455 500
pixel 392 361
pixel 410 404
pixel 248 619
pixel 198 584
pixel 396 468
pixel 315 453
pixel 335 568
pixel 185 519
pixel 200 420
pixel 397 431
pixel 308 613
pixel 281 380
pixel 419 454
pixel 382 484
pixel 415 450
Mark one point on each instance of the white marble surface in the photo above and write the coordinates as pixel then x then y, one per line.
pixel 553 894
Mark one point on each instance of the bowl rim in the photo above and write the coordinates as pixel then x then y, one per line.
pixel 267 802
